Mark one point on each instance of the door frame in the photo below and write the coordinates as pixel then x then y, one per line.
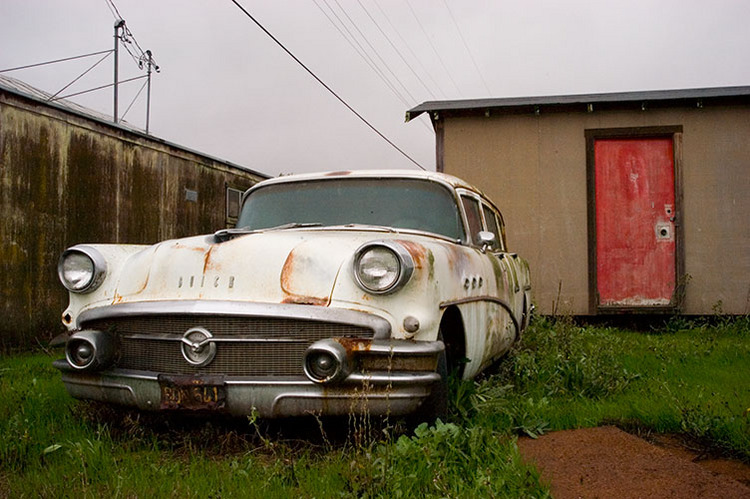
pixel 675 133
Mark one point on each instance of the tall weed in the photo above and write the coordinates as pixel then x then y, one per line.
pixel 445 460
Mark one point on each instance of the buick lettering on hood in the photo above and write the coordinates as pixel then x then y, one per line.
pixel 336 293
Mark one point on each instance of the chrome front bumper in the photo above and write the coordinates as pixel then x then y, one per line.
pixel 385 377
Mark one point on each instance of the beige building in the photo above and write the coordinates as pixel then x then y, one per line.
pixel 627 202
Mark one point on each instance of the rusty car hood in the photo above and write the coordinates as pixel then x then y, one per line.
pixel 290 266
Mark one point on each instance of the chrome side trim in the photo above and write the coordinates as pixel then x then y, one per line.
pixel 406 347
pixel 213 339
pixel 380 326
pixel 394 378
pixel 374 378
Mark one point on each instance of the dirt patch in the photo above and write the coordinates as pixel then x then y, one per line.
pixel 607 462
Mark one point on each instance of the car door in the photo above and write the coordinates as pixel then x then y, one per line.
pixel 487 316
pixel 507 280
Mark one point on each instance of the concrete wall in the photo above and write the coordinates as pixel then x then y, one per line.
pixel 67 179
pixel 534 168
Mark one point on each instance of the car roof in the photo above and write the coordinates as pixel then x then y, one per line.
pixel 443 178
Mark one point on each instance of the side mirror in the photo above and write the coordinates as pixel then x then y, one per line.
pixel 486 239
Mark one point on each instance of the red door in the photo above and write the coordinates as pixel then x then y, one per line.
pixel 635 230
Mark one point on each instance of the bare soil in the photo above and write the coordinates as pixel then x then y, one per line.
pixel 607 462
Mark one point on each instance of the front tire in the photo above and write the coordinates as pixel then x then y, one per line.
pixel 435 405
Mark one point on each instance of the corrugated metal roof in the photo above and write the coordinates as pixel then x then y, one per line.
pixel 572 101
pixel 12 84
pixel 19 87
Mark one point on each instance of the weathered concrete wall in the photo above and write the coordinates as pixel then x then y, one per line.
pixel 534 168
pixel 66 179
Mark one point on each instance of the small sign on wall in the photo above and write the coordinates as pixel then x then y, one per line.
pixel 191 195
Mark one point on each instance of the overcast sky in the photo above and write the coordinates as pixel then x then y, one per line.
pixel 228 90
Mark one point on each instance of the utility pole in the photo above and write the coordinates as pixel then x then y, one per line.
pixel 150 63
pixel 119 24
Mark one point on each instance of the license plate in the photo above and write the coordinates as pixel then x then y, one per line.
pixel 193 392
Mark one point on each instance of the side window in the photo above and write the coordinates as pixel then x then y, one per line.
pixel 501 223
pixel 471 207
pixel 492 226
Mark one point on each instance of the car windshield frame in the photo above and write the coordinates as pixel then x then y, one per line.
pixel 400 203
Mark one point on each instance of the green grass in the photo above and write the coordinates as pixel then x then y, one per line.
pixel 53 446
pixel 687 377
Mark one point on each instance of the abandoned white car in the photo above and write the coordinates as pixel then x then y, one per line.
pixel 338 293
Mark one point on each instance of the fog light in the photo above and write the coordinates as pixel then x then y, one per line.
pixel 322 364
pixel 83 353
pixel 326 361
pixel 90 350
pixel 80 353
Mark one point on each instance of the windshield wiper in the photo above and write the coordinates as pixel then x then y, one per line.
pixel 291 225
pixel 226 234
pixel 387 228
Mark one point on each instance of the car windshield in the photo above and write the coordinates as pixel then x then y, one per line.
pixel 398 203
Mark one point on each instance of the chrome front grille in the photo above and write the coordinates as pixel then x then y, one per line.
pixel 263 346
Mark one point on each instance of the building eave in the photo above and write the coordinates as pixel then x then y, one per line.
pixel 582 102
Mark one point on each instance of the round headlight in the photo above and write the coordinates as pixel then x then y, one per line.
pixel 382 267
pixel 81 269
pixel 378 269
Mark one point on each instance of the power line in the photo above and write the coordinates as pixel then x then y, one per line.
pixel 79 76
pixel 113 9
pixel 55 61
pixel 134 99
pixel 408 47
pixel 429 40
pixel 127 37
pixel 350 108
pixel 376 52
pixel 363 54
pixel 354 43
pixel 99 88
pixel 466 45
pixel 395 48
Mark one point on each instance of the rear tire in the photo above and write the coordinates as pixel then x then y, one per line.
pixel 525 319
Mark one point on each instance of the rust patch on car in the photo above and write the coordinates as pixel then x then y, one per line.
pixel 207 259
pixel 117 298
pixel 286 280
pixel 416 250
pixel 354 344
pixel 181 246
pixel 339 173
pixel 457 259
pixel 287 271
pixel 306 300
